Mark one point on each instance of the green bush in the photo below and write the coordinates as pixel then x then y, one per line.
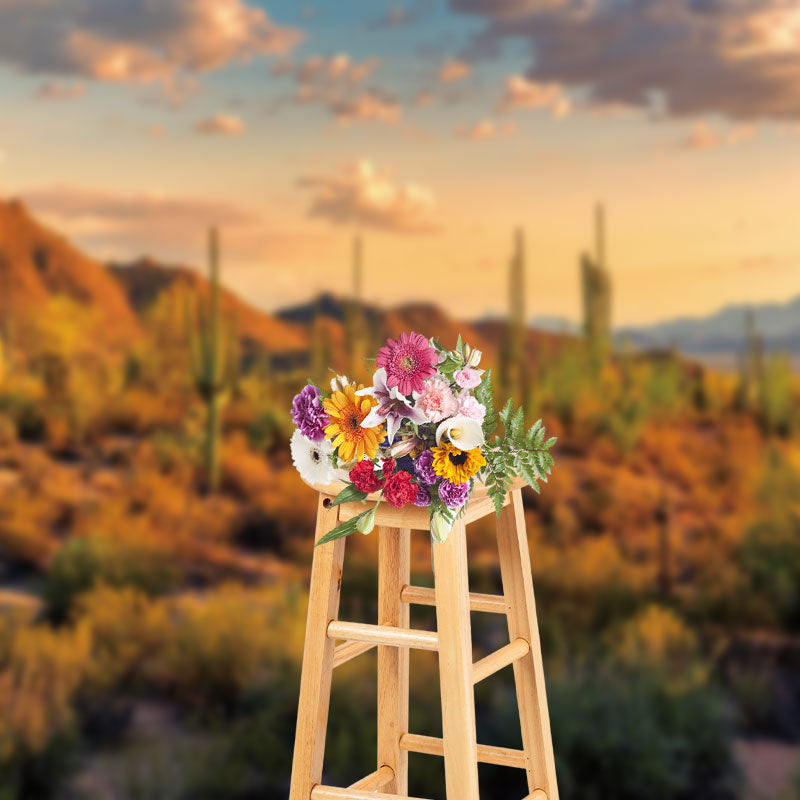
pixel 626 736
pixel 83 564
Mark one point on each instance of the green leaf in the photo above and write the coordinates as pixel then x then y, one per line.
pixel 348 495
pixel 485 395
pixel 343 529
pixel 508 410
pixel 459 344
pixel 517 423
pixel 550 442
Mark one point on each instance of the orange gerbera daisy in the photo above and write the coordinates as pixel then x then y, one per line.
pixel 346 412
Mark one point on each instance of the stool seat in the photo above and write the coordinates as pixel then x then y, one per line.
pixel 452 641
pixel 413 517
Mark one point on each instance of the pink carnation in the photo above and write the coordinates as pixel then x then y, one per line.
pixel 467 378
pixel 437 400
pixel 468 406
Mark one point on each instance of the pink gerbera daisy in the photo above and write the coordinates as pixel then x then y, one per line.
pixel 408 361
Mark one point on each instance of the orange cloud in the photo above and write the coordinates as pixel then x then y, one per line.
pixel 454 70
pixel 360 194
pixel 486 129
pixel 369 105
pixel 60 91
pixel 138 41
pixel 520 92
pixel 220 124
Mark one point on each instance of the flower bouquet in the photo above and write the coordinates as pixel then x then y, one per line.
pixel 422 434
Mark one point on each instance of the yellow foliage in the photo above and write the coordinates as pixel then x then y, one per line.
pixel 43 671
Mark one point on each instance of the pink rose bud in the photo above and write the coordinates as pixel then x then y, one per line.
pixel 467 378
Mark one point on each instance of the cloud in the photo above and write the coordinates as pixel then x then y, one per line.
pixel 740 58
pixel 520 92
pixel 453 70
pixel 486 129
pixel 60 91
pixel 220 124
pixel 370 105
pixel 360 194
pixel 97 209
pixel 330 70
pixel 395 17
pixel 703 137
pixel 136 41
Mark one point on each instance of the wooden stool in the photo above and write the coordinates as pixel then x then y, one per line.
pixel 393 636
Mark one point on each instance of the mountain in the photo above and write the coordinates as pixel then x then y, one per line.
pixel 37 264
pixel 145 281
pixel 723 332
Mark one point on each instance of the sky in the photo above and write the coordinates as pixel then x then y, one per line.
pixel 433 128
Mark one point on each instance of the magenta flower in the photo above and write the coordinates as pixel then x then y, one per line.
pixel 308 414
pixel 408 361
pixel 392 407
pixel 468 378
pixel 454 495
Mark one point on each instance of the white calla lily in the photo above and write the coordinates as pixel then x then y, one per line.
pixel 461 431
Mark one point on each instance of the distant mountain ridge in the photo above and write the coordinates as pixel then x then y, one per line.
pixel 723 332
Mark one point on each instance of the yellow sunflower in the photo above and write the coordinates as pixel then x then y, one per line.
pixel 457 466
pixel 346 412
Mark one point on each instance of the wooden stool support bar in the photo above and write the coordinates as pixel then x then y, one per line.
pixel 423 596
pixel 375 780
pixel 383 634
pixel 487 754
pixel 350 650
pixel 331 642
pixel 332 793
pixel 494 662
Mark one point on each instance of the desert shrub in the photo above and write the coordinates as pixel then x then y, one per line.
pixel 770 558
pixel 775 397
pixel 625 735
pixel 224 644
pixel 657 638
pixel 25 411
pixel 84 563
pixel 39 678
pixel 129 634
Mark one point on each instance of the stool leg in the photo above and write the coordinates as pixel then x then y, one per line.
pixel 512 542
pixel 315 680
pixel 393 574
pixel 455 666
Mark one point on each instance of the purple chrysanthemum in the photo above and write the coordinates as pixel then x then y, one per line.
pixel 308 413
pixel 423 466
pixel 454 495
pixel 423 497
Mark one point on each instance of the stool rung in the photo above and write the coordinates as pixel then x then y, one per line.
pixel 494 662
pixel 375 780
pixel 383 634
pixel 487 754
pixel 320 792
pixel 348 651
pixel 422 596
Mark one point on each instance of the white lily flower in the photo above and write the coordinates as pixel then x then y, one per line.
pixel 463 432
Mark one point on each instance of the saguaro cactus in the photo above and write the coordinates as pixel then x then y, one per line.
pixel 211 361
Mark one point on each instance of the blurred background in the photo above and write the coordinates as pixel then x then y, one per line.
pixel 599 194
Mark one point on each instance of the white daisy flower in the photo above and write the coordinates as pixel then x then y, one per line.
pixel 312 459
